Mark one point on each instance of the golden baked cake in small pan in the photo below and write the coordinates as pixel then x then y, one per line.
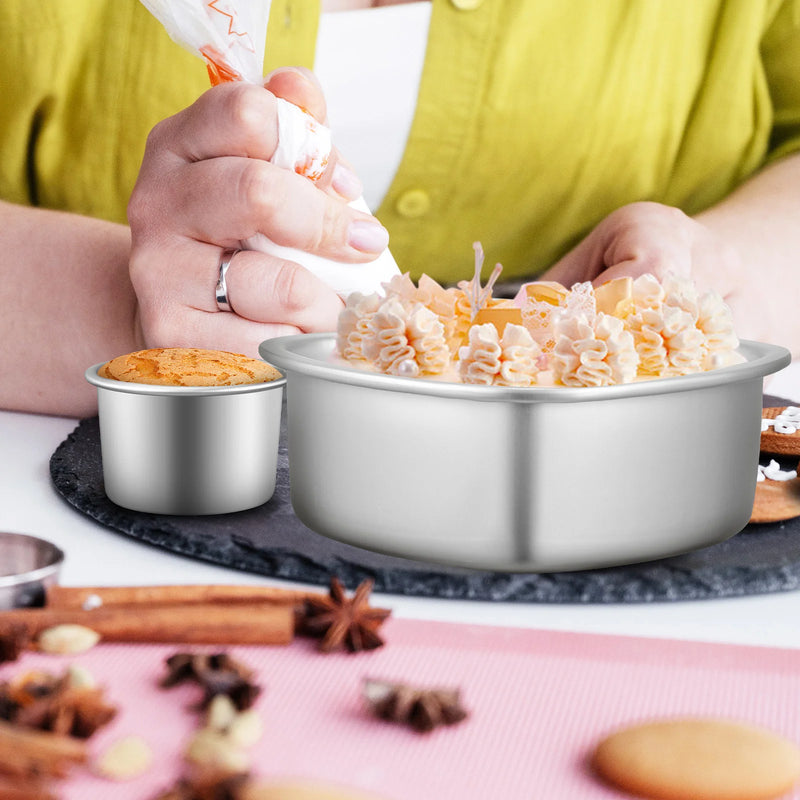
pixel 188 366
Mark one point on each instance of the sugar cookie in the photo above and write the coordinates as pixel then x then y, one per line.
pixel 302 790
pixel 698 759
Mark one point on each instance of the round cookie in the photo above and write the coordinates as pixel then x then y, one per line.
pixel 188 366
pixel 302 790
pixel 776 501
pixel 786 444
pixel 698 759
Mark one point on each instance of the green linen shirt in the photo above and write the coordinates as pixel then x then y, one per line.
pixel 535 118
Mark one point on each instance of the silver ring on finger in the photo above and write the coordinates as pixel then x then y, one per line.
pixel 221 291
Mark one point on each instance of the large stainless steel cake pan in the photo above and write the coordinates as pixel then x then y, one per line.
pixel 538 479
pixel 188 449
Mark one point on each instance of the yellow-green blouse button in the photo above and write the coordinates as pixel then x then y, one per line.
pixel 466 5
pixel 413 203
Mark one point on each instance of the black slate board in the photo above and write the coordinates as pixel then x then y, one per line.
pixel 270 540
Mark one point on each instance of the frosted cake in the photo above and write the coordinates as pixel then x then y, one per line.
pixel 625 330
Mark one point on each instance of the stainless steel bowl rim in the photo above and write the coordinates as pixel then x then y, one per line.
pixel 286 352
pixel 33 575
pixel 182 391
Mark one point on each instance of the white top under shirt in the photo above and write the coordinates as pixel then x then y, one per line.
pixel 370 62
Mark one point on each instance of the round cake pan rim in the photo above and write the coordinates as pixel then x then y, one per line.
pixel 769 358
pixel 33 575
pixel 129 387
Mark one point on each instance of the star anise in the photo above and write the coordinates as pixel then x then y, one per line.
pixel 14 638
pixel 208 786
pixel 216 673
pixel 70 712
pixel 419 708
pixel 23 691
pixel 45 702
pixel 28 687
pixel 343 622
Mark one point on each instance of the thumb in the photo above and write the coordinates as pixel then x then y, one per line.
pixel 299 86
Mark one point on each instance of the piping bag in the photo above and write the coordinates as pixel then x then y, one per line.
pixel 231 36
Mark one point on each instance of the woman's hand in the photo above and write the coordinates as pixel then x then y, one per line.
pixel 206 184
pixel 650 237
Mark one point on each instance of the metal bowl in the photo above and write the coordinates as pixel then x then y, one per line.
pixel 537 479
pixel 188 449
pixel 28 566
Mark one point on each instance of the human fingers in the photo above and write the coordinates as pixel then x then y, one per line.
pixel 191 327
pixel 233 119
pixel 301 87
pixel 648 238
pixel 169 315
pixel 225 200
pixel 669 241
pixel 261 289
pixel 635 239
pixel 269 289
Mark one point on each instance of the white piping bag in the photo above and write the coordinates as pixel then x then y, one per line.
pixel 231 35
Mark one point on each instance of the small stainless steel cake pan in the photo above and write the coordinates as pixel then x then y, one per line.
pixel 28 566
pixel 188 449
pixel 537 479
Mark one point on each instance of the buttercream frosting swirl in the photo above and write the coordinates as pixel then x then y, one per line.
pixel 353 324
pixel 668 341
pixel 489 359
pixel 520 357
pixel 680 291
pixel 443 302
pixel 594 351
pixel 679 331
pixel 407 341
pixel 715 320
pixel 647 292
pixel 479 360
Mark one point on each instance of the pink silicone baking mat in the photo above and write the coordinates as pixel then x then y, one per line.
pixel 538 701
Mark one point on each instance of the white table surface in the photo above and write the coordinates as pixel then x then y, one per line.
pixel 97 555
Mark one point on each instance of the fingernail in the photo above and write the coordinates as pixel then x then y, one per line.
pixel 346 183
pixel 368 237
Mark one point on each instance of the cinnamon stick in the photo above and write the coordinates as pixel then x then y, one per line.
pixel 88 597
pixel 15 789
pixel 263 623
pixel 32 754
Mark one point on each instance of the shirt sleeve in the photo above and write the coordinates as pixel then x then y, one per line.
pixel 780 49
